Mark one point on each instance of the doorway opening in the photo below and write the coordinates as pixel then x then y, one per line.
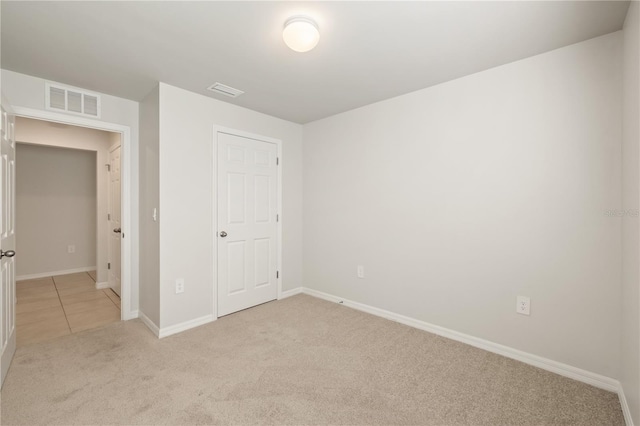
pixel 69 229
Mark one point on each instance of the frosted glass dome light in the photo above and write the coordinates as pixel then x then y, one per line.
pixel 301 33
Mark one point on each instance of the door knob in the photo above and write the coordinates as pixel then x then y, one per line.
pixel 117 230
pixel 8 253
pixel 223 234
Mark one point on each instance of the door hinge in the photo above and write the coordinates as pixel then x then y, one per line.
pixel 277 218
pixel 277 274
pixel 108 265
pixel 277 161
pixel 108 167
pixel 108 216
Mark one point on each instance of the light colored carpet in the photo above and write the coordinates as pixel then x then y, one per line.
pixel 296 361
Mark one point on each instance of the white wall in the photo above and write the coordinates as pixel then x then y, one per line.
pixel 53 134
pixel 630 370
pixel 186 197
pixel 55 208
pixel 459 197
pixel 149 199
pixel 29 92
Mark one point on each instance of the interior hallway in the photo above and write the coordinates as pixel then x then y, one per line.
pixel 57 306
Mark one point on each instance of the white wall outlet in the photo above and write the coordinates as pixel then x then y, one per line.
pixel 155 214
pixel 71 249
pixel 523 305
pixel 180 285
pixel 360 271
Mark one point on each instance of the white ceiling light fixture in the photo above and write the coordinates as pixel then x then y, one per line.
pixel 301 33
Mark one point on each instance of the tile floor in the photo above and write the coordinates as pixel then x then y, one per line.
pixel 56 306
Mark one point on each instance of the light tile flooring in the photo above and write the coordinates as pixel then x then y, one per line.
pixel 56 306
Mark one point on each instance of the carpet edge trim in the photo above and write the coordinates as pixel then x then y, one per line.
pixel 556 367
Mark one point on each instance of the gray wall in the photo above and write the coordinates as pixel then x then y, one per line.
pixel 55 207
pixel 630 377
pixel 187 197
pixel 460 197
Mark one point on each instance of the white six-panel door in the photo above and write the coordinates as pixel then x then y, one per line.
pixel 115 223
pixel 7 238
pixel 247 228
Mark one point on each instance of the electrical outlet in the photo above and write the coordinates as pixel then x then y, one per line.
pixel 360 271
pixel 523 305
pixel 180 285
pixel 71 249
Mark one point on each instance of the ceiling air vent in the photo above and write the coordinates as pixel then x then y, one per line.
pixel 70 99
pixel 225 90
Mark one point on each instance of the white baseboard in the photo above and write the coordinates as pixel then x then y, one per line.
pixel 289 293
pixel 145 319
pixel 565 370
pixel 132 315
pixel 168 331
pixel 54 273
pixel 102 285
pixel 625 407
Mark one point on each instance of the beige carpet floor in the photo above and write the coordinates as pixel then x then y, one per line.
pixel 296 361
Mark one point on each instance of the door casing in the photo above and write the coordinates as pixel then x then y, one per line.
pixel 217 130
pixel 126 311
pixel 110 224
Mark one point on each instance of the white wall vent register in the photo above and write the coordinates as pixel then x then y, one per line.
pixel 225 90
pixel 70 99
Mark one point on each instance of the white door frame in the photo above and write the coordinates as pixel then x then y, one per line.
pixel 125 177
pixel 109 208
pixel 220 129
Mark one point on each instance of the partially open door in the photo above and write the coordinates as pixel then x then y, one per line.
pixel 7 238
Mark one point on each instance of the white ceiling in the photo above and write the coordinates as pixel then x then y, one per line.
pixel 368 51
